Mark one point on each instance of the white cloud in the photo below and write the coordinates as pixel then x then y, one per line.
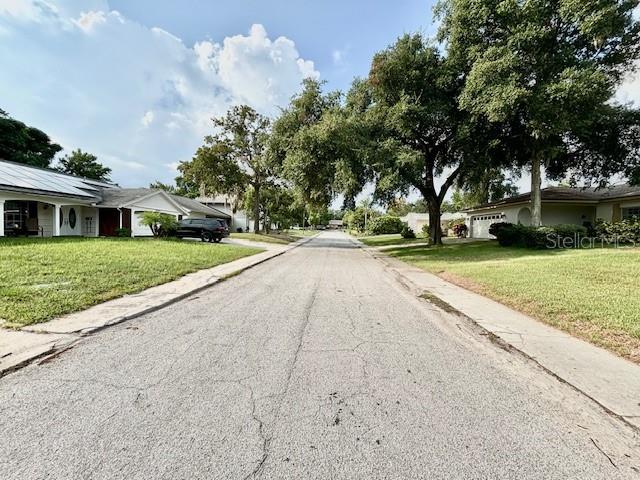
pixel 338 57
pixel 629 92
pixel 147 118
pixel 137 97
pixel 88 20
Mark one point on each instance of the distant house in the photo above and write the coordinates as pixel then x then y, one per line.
pixel 239 219
pixel 416 221
pixel 41 202
pixel 567 205
pixel 335 224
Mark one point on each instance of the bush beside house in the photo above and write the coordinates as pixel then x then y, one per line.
pixel 625 231
pixel 386 224
pixel 161 224
pixel 509 234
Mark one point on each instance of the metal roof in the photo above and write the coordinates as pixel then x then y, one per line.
pixel 20 177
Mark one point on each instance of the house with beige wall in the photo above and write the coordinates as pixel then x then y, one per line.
pixel 560 205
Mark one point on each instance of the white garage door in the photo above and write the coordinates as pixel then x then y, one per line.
pixel 140 230
pixel 481 223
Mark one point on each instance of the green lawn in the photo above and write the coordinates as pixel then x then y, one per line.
pixel 281 237
pixel 393 239
pixel 44 278
pixel 593 294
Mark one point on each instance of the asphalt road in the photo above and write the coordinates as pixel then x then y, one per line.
pixel 316 364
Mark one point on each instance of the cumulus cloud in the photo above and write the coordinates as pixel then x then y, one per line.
pixel 137 97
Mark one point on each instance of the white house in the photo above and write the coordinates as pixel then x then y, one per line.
pixel 238 218
pixel 41 202
pixel 418 220
pixel 560 205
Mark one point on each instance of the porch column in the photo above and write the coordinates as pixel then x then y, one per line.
pixel 133 221
pixel 120 218
pixel 56 220
pixel 1 218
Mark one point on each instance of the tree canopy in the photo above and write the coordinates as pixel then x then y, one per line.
pixel 23 144
pixel 548 70
pixel 415 129
pixel 234 160
pixel 84 164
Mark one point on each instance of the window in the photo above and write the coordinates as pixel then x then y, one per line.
pixel 630 213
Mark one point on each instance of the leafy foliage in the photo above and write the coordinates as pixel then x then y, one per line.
pixel 355 219
pixel 624 231
pixel 234 159
pixel 313 144
pixel 509 234
pixel 161 224
pixel 407 232
pixel 546 71
pixel 23 144
pixel 385 224
pixel 415 130
pixel 84 164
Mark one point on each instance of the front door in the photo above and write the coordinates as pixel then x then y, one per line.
pixel 109 222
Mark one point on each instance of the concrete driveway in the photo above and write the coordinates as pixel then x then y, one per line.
pixel 316 364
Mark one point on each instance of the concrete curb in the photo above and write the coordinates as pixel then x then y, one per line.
pixel 19 348
pixel 612 382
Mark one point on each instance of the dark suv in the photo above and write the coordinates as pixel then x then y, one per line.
pixel 206 229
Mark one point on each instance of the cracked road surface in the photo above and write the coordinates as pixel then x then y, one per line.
pixel 316 364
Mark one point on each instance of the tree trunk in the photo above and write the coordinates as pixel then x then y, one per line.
pixel 267 221
pixel 536 195
pixel 256 209
pixel 435 231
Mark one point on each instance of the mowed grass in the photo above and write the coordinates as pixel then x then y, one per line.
pixel 391 239
pixel 593 294
pixel 275 237
pixel 44 278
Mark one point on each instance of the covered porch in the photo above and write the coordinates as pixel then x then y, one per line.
pixel 24 215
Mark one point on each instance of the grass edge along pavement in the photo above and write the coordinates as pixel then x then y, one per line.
pixel 41 279
pixel 589 293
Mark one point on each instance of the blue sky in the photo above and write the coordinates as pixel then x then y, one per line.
pixel 136 82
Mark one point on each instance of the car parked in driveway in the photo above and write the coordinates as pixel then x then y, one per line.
pixel 206 229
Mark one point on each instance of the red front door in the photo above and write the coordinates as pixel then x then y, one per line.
pixel 109 222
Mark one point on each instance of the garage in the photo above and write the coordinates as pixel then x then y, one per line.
pixel 480 224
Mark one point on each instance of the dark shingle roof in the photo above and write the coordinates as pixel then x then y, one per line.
pixel 116 197
pixel 569 194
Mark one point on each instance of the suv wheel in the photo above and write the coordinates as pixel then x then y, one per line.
pixel 206 237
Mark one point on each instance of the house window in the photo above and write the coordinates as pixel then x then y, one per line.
pixel 630 213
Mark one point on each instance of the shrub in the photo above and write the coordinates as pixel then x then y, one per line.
pixel 385 224
pixel 569 230
pixel 407 232
pixel 495 228
pixel 425 229
pixel 536 237
pixel 625 231
pixel 460 230
pixel 161 224
pixel 507 234
pixel 123 232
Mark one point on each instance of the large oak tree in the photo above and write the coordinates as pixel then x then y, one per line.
pixel 418 137
pixel 549 69
pixel 234 160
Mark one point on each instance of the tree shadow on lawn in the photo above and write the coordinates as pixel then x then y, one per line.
pixel 23 241
pixel 470 252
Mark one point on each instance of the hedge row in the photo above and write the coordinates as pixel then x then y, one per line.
pixel 509 234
